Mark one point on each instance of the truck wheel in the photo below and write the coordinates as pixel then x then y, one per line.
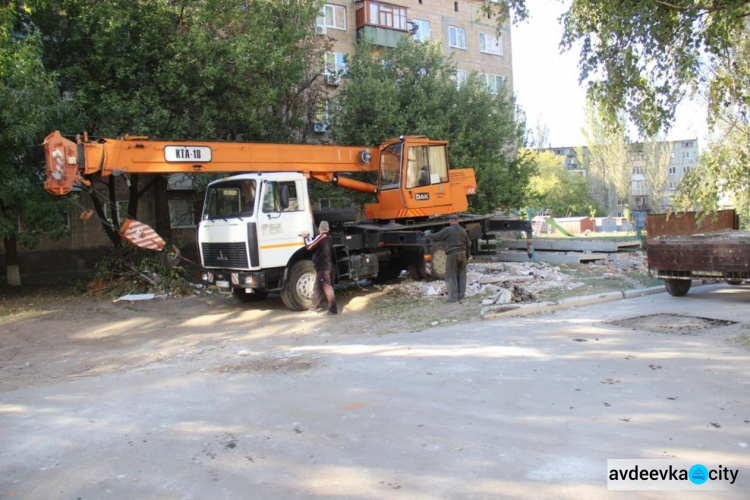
pixel 677 288
pixel 297 293
pixel 257 296
pixel 439 260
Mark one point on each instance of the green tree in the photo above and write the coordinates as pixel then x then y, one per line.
pixel 29 101
pixel 560 192
pixel 214 70
pixel 608 159
pixel 658 156
pixel 724 168
pixel 645 57
pixel 411 89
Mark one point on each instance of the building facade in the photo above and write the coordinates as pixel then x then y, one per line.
pixel 470 37
pixel 682 158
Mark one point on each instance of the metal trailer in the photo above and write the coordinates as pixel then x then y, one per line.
pixel 681 248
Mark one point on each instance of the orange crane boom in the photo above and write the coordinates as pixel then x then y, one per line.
pixel 68 161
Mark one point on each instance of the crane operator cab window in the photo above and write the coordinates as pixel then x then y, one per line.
pixel 230 199
pixel 390 166
pixel 426 165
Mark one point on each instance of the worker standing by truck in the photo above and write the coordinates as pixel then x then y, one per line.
pixel 321 247
pixel 457 252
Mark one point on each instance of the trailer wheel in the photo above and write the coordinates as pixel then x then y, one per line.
pixel 732 279
pixel 297 293
pixel 257 296
pixel 677 288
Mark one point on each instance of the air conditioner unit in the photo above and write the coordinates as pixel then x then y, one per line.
pixel 320 30
pixel 320 127
pixel 333 79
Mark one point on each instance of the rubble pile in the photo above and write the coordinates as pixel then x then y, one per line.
pixel 498 282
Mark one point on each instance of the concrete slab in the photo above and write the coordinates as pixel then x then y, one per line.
pixel 572 245
pixel 559 258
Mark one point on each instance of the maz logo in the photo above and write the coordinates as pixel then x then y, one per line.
pixel 422 196
pixel 221 256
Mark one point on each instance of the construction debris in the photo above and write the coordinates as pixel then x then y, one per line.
pixel 501 283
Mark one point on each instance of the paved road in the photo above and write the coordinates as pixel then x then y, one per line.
pixel 526 407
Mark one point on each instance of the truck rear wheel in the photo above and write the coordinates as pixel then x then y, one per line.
pixel 677 288
pixel 439 260
pixel 298 290
pixel 256 296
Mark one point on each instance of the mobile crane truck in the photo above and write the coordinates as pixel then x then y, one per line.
pixel 248 236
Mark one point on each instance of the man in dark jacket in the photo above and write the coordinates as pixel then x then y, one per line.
pixel 457 252
pixel 321 247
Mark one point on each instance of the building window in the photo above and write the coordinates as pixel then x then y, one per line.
pixel 688 155
pixel 492 82
pixel 490 44
pixel 423 30
pixel 672 185
pixel 688 145
pixel 334 67
pixel 672 169
pixel 461 77
pixel 685 169
pixel 332 16
pixel 637 169
pixel 184 213
pixel 388 16
pixel 457 37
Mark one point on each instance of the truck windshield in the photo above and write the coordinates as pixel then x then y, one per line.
pixel 390 166
pixel 230 199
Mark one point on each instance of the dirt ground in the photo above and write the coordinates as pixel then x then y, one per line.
pixel 45 335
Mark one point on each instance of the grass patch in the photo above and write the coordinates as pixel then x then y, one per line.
pixel 398 312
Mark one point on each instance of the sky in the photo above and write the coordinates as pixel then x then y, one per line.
pixel 546 82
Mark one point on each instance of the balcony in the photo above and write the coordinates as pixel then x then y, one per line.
pixel 381 23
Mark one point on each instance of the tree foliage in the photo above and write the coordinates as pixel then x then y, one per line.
pixel 29 102
pixel 658 156
pixel 213 70
pixel 557 191
pixel 411 90
pixel 724 169
pixel 645 57
pixel 608 159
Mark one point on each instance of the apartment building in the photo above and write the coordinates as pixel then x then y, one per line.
pixel 462 31
pixel 683 157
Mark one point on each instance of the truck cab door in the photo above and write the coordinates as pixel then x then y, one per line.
pixel 283 215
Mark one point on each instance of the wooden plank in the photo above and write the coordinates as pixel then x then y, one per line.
pixel 565 245
pixel 559 258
